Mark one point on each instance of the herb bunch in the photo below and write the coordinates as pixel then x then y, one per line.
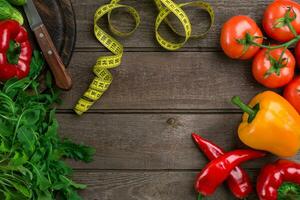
pixel 32 154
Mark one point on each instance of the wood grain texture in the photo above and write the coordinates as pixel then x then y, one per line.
pixel 140 185
pixel 143 153
pixel 61 76
pixel 152 141
pixel 168 80
pixel 144 36
pixel 59 19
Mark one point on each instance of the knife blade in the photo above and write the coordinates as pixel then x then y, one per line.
pixel 61 76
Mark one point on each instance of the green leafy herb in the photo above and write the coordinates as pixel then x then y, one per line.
pixel 18 2
pixel 32 154
pixel 36 66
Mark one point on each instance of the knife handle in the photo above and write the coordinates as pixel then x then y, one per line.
pixel 61 76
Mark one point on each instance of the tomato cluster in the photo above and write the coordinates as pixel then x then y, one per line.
pixel 273 65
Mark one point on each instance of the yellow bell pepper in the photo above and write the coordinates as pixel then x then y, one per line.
pixel 270 123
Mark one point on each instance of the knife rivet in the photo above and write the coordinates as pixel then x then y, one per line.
pixel 41 35
pixel 50 52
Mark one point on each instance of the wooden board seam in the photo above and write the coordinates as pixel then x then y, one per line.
pixel 148 49
pixel 156 111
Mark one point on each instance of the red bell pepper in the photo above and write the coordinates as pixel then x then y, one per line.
pixel 274 175
pixel 218 170
pixel 11 30
pixel 238 181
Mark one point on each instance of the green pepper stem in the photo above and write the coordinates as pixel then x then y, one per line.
pixel 245 108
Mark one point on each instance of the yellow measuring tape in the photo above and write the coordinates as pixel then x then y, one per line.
pixel 103 77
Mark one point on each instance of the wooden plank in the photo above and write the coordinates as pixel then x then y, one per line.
pixel 152 141
pixel 59 19
pixel 110 185
pixel 144 36
pixel 169 80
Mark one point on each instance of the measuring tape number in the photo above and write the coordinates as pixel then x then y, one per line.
pixel 103 78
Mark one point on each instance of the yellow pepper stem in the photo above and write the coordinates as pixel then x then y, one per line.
pixel 236 100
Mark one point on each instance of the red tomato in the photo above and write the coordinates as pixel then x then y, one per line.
pixel 273 74
pixel 236 28
pixel 277 10
pixel 297 54
pixel 292 93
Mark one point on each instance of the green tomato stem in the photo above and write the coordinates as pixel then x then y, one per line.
pixel 292 29
pixel 284 45
pixel 288 20
pixel 281 55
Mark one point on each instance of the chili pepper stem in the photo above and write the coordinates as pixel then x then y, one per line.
pixel 200 197
pixel 245 108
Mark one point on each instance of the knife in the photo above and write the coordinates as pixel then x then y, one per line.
pixel 61 76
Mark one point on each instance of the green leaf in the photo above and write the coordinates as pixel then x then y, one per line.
pixel 25 172
pixel 52 130
pixel 27 138
pixel 36 66
pixel 49 79
pixel 77 151
pixel 71 194
pixel 42 182
pixel 44 195
pixel 62 167
pixel 58 185
pixel 4 148
pixel 8 196
pixel 69 182
pixel 18 159
pixel 22 189
pixel 5 130
pixel 35 85
pixel 14 86
pixel 31 116
pixel 7 106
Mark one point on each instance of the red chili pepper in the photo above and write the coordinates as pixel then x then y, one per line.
pixel 218 170
pixel 272 176
pixel 238 180
pixel 12 30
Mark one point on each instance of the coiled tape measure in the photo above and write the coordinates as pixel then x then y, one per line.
pixel 103 78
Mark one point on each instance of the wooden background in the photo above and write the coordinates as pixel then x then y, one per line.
pixel 141 128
